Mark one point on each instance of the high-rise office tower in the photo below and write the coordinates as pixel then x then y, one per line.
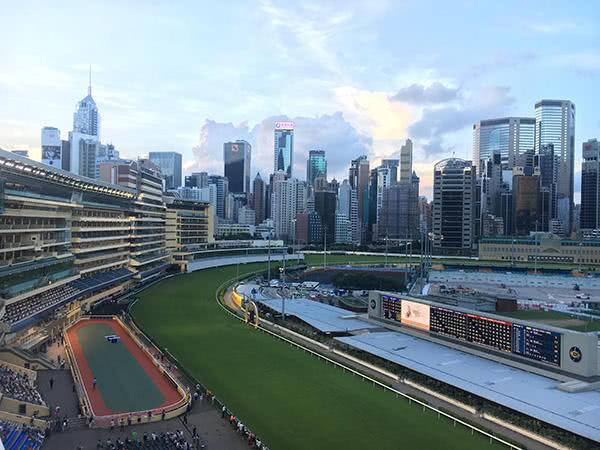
pixel 284 148
pixel 197 179
pixel 222 190
pixel 170 167
pixel 85 137
pixel 384 180
pixel 526 200
pixel 406 161
pixel 289 199
pixel 316 166
pixel 508 136
pixel 325 204
pixel 546 163
pixel 358 176
pixel 86 120
pixel 590 186
pixel 259 199
pixel 399 215
pixel 236 156
pixel 555 124
pixel 347 208
pixel 453 206
pixel 51 147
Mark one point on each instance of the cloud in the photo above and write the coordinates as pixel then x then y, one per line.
pixel 330 132
pixel 556 27
pixel 436 123
pixel 421 95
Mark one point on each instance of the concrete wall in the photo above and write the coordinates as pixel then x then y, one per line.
pixel 12 406
pixel 207 263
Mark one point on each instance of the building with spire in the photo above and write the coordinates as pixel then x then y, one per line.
pixel 85 137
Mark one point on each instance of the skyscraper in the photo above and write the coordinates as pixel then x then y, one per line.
pixel 170 167
pixel 316 166
pixel 289 199
pixel 85 137
pixel 508 136
pixel 222 191
pixel 197 179
pixel 547 164
pixel 51 147
pixel 86 120
pixel 236 156
pixel 325 204
pixel 526 200
pixel 590 186
pixel 284 147
pixel 453 206
pixel 399 215
pixel 358 176
pixel 259 199
pixel 555 124
pixel 406 160
pixel 347 208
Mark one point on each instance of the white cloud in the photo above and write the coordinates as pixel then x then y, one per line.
pixel 331 132
pixel 554 27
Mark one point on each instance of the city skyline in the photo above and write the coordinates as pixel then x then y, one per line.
pixel 410 90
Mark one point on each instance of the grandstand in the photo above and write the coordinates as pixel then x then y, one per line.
pixel 20 437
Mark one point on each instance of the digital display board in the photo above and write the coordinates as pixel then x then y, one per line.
pixel 415 314
pixel 472 328
pixel 522 340
pixel 489 332
pixel 391 307
pixel 448 322
pixel 534 343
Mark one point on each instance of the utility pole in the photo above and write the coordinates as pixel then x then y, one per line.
pixel 269 258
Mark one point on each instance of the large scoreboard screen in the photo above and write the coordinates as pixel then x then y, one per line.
pixel 534 343
pixel 391 307
pixel 472 328
pixel 529 342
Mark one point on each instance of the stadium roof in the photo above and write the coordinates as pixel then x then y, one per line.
pixel 325 318
pixel 522 391
pixel 29 167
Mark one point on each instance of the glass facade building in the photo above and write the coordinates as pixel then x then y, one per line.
pixel 508 136
pixel 590 186
pixel 284 148
pixel 316 166
pixel 453 207
pixel 170 167
pixel 236 156
pixel 555 124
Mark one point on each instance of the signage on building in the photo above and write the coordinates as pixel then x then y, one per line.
pixel 284 125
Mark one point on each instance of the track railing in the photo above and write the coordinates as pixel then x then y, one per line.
pixel 222 289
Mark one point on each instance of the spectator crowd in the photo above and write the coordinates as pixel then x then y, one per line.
pixel 18 386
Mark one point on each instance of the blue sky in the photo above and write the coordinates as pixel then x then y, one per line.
pixel 356 77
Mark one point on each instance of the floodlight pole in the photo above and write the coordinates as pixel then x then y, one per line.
pixel 269 257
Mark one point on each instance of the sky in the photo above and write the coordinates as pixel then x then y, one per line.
pixel 356 77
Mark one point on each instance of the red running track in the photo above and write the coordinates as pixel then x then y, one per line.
pixel 161 381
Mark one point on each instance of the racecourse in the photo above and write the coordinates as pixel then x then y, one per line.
pixel 290 399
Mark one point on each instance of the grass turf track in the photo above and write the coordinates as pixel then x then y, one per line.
pixel 290 399
pixel 127 379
